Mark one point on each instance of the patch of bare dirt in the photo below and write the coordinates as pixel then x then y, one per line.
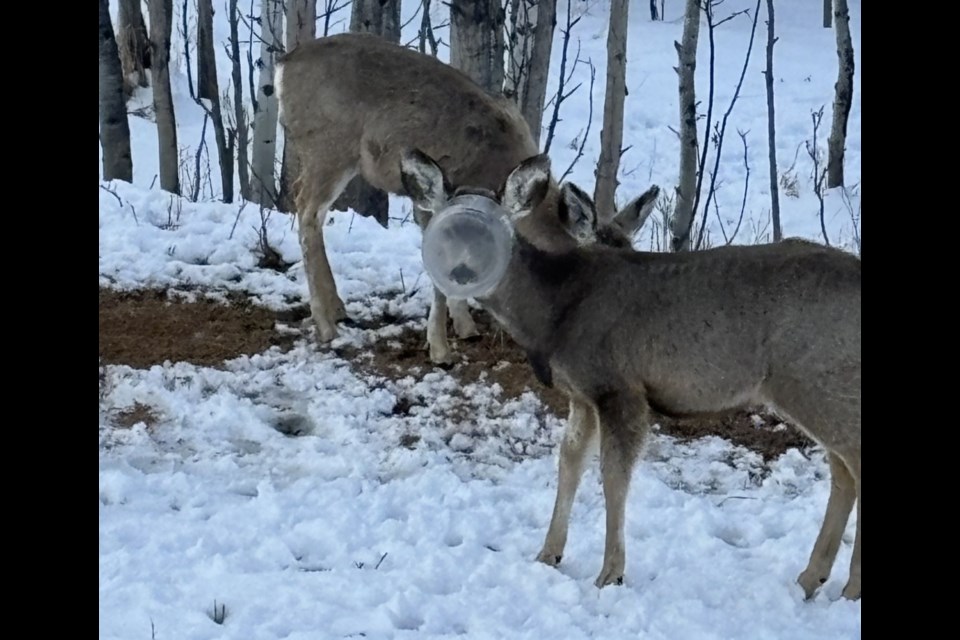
pixel 136 414
pixel 497 357
pixel 146 327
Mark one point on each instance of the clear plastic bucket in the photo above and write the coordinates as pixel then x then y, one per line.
pixel 466 247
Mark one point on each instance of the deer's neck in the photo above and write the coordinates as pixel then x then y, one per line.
pixel 539 291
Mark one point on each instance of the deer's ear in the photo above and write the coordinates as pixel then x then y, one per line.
pixel 578 214
pixel 526 186
pixel 631 218
pixel 423 180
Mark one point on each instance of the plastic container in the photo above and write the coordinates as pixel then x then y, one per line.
pixel 466 247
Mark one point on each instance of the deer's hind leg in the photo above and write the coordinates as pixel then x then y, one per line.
pixel 317 188
pixel 843 492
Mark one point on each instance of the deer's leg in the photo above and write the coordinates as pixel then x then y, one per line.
pixel 852 589
pixel 581 429
pixel 314 197
pixel 839 505
pixel 463 323
pixel 623 425
pixel 437 341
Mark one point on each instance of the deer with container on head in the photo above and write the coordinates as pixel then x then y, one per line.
pixel 622 332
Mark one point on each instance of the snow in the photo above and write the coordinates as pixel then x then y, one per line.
pixel 341 531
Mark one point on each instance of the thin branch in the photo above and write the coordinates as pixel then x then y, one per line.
pixel 583 140
pixel 563 79
pixel 185 33
pixel 243 205
pixel 726 115
pixel 332 7
pixel 203 141
pixel 746 183
pixel 250 78
pixel 818 175
pixel 114 194
pixel 412 17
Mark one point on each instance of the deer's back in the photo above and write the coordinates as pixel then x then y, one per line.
pixel 704 331
pixel 357 93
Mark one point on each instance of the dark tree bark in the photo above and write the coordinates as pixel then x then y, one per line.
pixel 114 129
pixel 843 99
pixel 134 44
pixel 209 89
pixel 241 134
pixel 381 17
pixel 528 43
pixel 611 136
pixel 161 24
pixel 827 14
pixel 476 41
pixel 772 128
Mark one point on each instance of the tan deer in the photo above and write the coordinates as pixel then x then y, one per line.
pixel 623 332
pixel 350 104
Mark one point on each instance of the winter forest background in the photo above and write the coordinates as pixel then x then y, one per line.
pixel 254 485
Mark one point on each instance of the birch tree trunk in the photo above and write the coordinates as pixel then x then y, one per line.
pixel 239 113
pixel 114 129
pixel 209 89
pixel 531 43
pixel 381 18
pixel 843 98
pixel 161 24
pixel 683 211
pixel 611 136
pixel 476 41
pixel 301 27
pixel 263 186
pixel 772 128
pixel 133 43
pixel 522 20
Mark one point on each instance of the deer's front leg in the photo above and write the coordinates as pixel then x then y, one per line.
pixel 581 429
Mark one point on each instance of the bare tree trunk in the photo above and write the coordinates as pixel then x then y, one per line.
pixel 843 99
pixel 476 41
pixel 521 22
pixel 530 40
pixel 239 113
pixel 772 128
pixel 161 24
pixel 683 211
pixel 301 27
pixel 134 44
pixel 654 11
pixel 382 18
pixel 262 184
pixel 828 13
pixel 209 89
pixel 114 129
pixel 611 136
pixel 425 34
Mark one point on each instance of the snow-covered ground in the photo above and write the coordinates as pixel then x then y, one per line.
pixel 344 532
